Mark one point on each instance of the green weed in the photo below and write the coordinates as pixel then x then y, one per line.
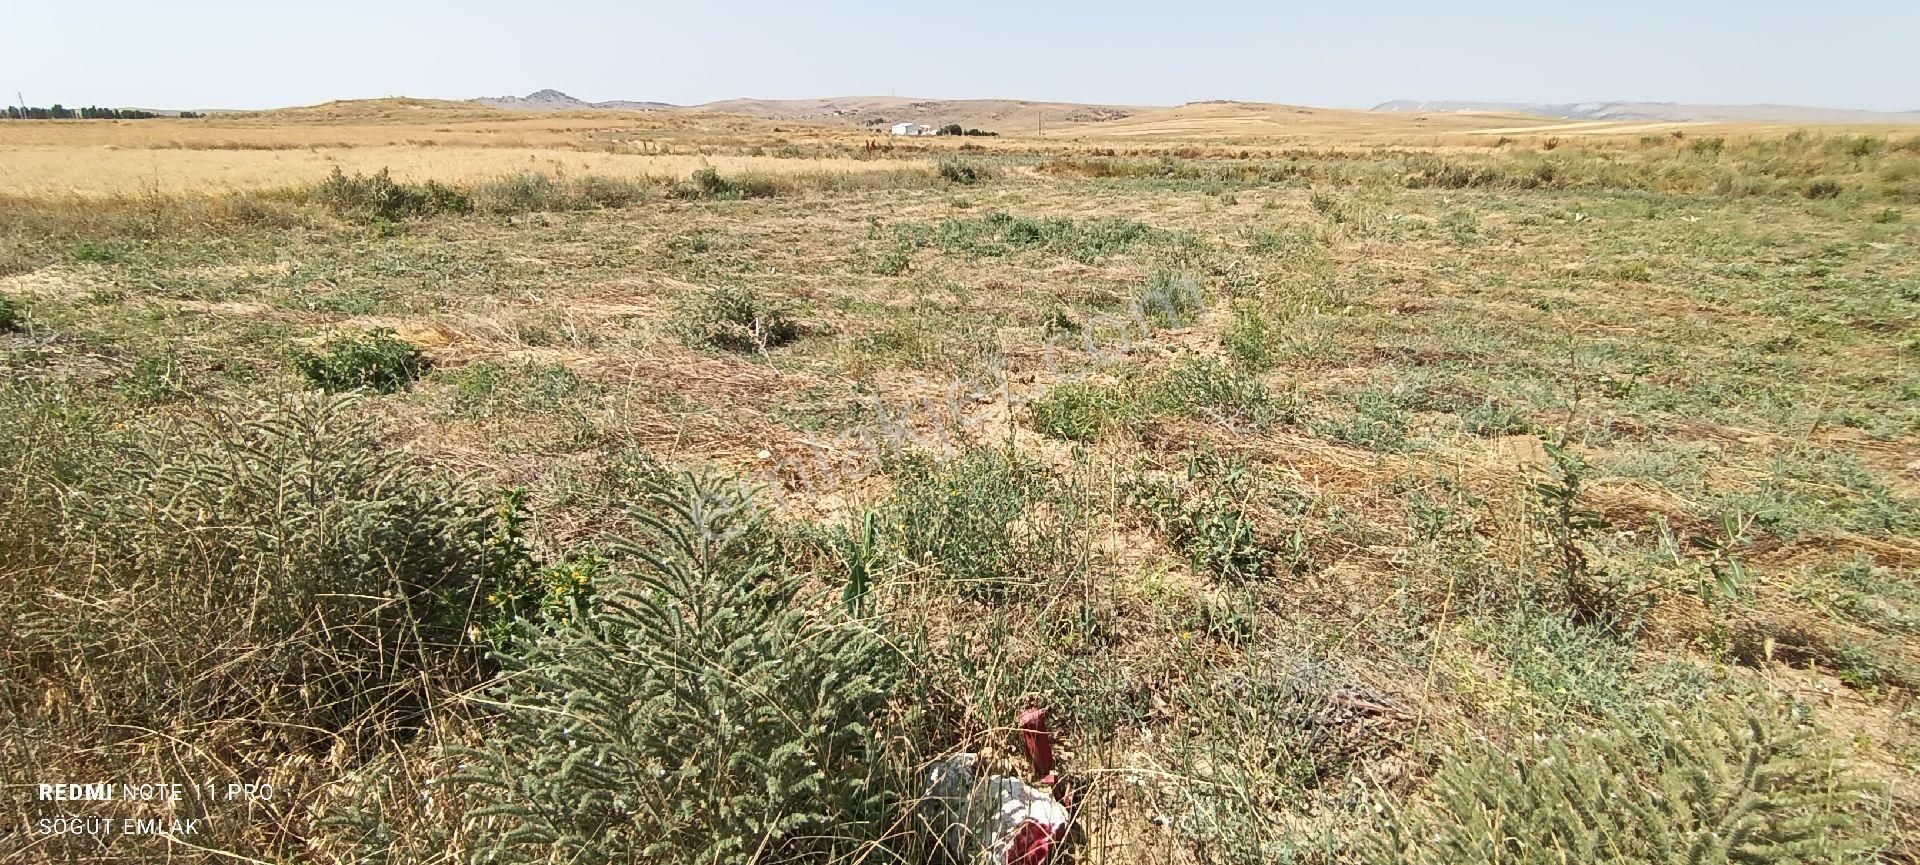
pixel 1080 412
pixel 708 183
pixel 1206 518
pixel 154 379
pixel 1169 299
pixel 971 520
pixel 1374 422
pixel 1251 340
pixel 734 318
pixel 378 197
pixel 959 171
pixel 1206 388
pixel 1000 233
pixel 378 359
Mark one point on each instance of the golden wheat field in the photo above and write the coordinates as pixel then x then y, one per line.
pixel 627 487
pixel 96 172
pixel 455 143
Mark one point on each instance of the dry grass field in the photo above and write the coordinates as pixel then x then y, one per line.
pixel 1348 487
pixel 466 144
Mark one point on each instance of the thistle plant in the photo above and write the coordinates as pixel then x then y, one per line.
pixel 703 707
pixel 1733 784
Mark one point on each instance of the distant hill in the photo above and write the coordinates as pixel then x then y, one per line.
pixel 554 100
pixel 390 108
pixel 1267 124
pixel 856 111
pixel 1669 112
pixel 885 110
pixel 1010 114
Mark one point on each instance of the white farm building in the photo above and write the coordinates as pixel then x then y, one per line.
pixel 913 129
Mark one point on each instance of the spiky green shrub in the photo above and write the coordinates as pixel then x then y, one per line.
pixel 1376 422
pixel 596 191
pixel 706 707
pixel 1823 188
pixel 49 437
pixel 1744 783
pixel 1491 418
pixel 283 569
pixel 378 197
pixel 378 359
pixel 9 315
pixel 735 318
pixel 533 192
pixel 154 379
pixel 893 260
pixel 1263 739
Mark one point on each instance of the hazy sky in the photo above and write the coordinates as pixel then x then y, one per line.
pixel 1337 53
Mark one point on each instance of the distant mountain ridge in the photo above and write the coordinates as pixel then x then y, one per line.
pixel 554 100
pixel 858 111
pixel 1670 112
pixel 874 111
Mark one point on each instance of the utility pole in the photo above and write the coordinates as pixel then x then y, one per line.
pixel 23 103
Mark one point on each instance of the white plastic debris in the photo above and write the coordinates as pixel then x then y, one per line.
pixel 995 820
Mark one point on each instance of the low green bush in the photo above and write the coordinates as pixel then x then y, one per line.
pixel 1076 411
pixel 1823 188
pixel 959 171
pixel 1206 388
pixel 1252 340
pixel 1491 418
pixel 94 252
pixel 378 360
pixel 594 191
pixel 281 570
pixel 9 315
pixel 1727 784
pixel 1205 516
pixel 1170 299
pixel 893 260
pixel 975 521
pixel 154 379
pixel 526 192
pixel 734 318
pixel 1259 738
pixel 708 183
pixel 533 192
pixel 1374 422
pixel 378 197
pixel 486 389
pixel 999 234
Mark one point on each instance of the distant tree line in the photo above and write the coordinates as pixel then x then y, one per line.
pixel 91 112
pixel 954 129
